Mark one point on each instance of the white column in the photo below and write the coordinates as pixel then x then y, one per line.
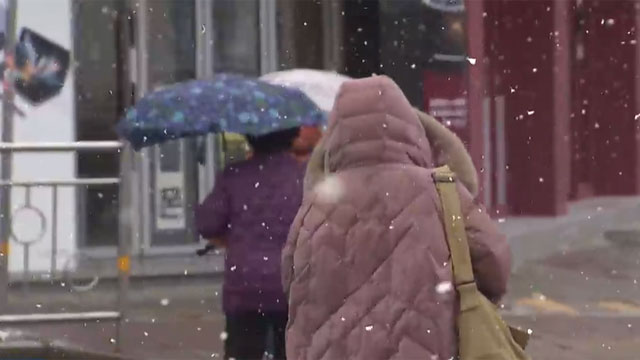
pixel 52 121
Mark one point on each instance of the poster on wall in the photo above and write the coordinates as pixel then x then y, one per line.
pixel 37 68
pixel 42 67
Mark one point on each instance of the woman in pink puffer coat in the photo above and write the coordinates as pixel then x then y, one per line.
pixel 366 263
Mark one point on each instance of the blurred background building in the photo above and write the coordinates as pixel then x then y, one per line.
pixel 544 92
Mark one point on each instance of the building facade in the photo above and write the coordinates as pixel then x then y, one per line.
pixel 521 82
pixel 120 50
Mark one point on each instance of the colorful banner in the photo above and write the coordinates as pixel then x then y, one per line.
pixel 37 68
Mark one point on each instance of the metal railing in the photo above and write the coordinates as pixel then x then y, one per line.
pixel 42 225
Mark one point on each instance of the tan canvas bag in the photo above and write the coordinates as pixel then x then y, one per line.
pixel 482 334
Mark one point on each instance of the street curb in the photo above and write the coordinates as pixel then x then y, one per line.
pixel 536 238
pixel 40 283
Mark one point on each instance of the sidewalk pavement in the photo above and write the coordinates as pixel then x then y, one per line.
pixel 534 238
pixel 577 291
pixel 574 265
pixel 196 334
pixel 531 238
pixel 558 263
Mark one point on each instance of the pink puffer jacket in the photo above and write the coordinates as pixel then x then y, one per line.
pixel 366 263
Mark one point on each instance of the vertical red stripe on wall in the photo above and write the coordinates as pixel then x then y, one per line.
pixel 611 70
pixel 476 83
pixel 530 68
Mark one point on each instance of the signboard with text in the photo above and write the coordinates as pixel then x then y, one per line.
pixel 169 189
pixel 445 98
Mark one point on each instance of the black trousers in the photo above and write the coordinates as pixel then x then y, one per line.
pixel 247 335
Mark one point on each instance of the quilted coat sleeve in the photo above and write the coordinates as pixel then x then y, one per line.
pixel 212 216
pixel 490 252
pixel 290 247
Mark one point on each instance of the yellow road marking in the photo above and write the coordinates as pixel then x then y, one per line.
pixel 619 306
pixel 542 303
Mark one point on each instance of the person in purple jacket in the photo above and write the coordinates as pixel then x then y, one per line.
pixel 251 209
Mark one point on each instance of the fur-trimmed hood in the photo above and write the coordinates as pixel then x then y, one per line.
pixel 447 148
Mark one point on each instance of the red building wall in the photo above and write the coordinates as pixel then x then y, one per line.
pixel 610 101
pixel 528 52
pixel 553 101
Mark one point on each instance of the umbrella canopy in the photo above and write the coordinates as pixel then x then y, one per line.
pixel 319 85
pixel 228 103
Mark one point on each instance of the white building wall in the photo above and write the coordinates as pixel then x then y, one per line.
pixel 52 121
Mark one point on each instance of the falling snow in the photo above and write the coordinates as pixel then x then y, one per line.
pixel 330 190
pixel 444 287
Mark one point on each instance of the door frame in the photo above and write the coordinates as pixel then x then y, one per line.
pixel 139 74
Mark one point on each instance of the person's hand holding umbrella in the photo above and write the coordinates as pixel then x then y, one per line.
pixel 212 244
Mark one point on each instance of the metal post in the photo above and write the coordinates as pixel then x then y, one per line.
pixel 204 39
pixel 142 34
pixel 26 248
pixel 204 70
pixel 332 24
pixel 54 231
pixel 128 179
pixel 124 238
pixel 5 167
pixel 268 36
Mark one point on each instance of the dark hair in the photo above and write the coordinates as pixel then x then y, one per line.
pixel 273 142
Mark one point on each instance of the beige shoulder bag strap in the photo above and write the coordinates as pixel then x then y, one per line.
pixel 454 226
pixel 482 334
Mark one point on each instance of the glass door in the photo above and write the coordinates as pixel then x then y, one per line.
pixel 165 54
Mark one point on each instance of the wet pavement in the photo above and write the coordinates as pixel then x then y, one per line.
pixel 578 292
pixel 182 319
pixel 194 335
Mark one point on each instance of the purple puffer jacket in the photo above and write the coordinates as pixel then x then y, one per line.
pixel 252 206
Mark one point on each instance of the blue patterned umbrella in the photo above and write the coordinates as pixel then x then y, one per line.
pixel 228 103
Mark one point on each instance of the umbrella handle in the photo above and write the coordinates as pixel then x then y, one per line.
pixel 224 149
pixel 205 250
pixel 201 150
